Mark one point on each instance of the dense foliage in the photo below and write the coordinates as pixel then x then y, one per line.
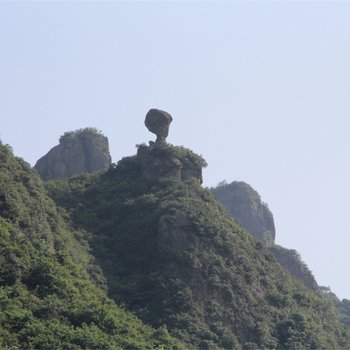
pixel 244 204
pixel 80 134
pixel 51 290
pixel 168 153
pixel 342 307
pixel 173 256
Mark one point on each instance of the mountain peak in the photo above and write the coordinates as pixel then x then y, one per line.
pixel 81 151
pixel 161 160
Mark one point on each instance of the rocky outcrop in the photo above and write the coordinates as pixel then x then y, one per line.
pixel 161 160
pixel 158 122
pixel 244 204
pixel 292 262
pixel 81 151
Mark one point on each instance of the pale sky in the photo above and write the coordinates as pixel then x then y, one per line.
pixel 260 89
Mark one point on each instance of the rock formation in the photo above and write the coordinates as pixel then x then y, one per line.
pixel 157 122
pixel 160 159
pixel 244 204
pixel 292 262
pixel 81 151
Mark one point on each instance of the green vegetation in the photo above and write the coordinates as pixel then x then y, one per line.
pixel 173 256
pixel 162 248
pixel 86 137
pixel 291 260
pixel 79 134
pixel 52 294
pixel 244 203
pixel 176 154
pixel 342 307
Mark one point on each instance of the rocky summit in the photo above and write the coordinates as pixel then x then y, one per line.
pixel 161 160
pixel 81 151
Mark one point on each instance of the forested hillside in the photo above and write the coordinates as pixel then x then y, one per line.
pixel 174 256
pixel 52 294
pixel 244 204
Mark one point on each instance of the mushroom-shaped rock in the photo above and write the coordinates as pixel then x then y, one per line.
pixel 158 121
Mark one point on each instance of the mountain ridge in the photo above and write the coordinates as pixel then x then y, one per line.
pixel 148 236
pixel 52 294
pixel 192 267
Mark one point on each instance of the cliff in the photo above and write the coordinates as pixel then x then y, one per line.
pixel 82 151
pixel 292 262
pixel 161 160
pixel 244 204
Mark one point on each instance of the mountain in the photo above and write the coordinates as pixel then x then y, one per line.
pixel 52 292
pixel 244 204
pixel 81 151
pixel 173 256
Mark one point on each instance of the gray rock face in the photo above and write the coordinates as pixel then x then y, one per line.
pixel 81 151
pixel 157 122
pixel 244 204
pixel 293 263
pixel 163 160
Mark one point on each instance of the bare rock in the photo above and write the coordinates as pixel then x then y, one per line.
pixel 81 151
pixel 162 160
pixel 157 122
pixel 245 204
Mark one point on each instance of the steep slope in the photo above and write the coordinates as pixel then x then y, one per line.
pixel 292 262
pixel 81 151
pixel 173 255
pixel 51 291
pixel 342 306
pixel 244 204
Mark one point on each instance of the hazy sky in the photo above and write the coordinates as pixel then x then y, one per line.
pixel 260 89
